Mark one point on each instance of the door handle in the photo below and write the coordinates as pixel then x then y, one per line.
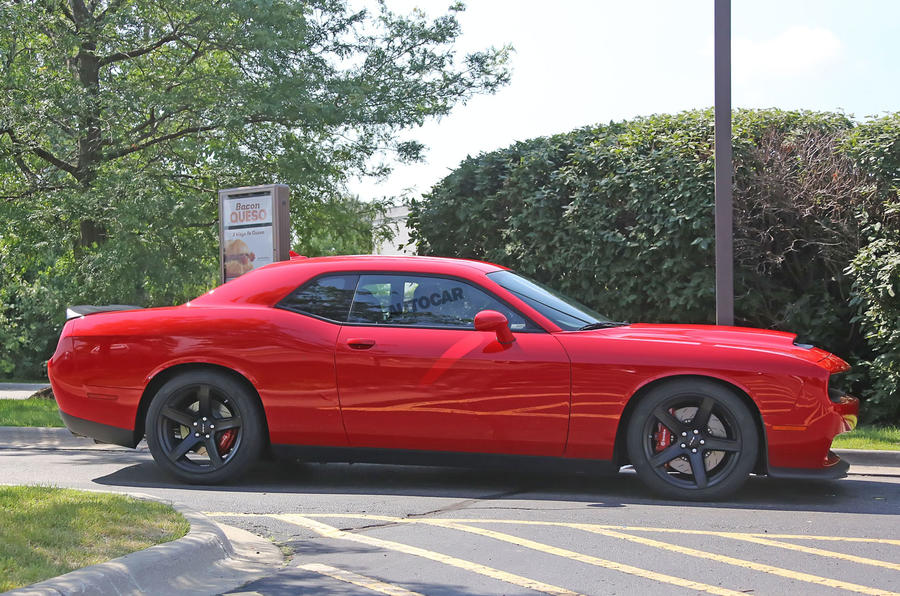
pixel 360 343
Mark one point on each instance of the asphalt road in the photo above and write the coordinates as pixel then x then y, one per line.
pixel 370 529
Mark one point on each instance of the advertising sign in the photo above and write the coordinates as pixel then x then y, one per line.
pixel 254 228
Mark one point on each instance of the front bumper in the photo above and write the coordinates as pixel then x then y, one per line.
pixel 794 450
pixel 847 407
pixel 835 468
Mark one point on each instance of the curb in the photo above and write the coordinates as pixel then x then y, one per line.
pixel 37 437
pixel 204 561
pixel 20 390
pixel 870 457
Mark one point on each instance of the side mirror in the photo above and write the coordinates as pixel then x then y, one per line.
pixel 491 320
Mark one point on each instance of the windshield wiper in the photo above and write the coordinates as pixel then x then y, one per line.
pixel 602 325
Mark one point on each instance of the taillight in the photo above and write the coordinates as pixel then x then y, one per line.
pixel 69 328
pixel 66 343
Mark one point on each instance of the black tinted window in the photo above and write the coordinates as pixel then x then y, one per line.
pixel 328 297
pixel 424 301
pixel 566 312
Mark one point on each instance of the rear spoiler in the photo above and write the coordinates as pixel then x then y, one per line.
pixel 82 310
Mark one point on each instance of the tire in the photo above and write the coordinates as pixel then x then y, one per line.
pixel 686 426
pixel 204 427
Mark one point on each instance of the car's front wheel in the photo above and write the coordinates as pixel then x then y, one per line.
pixel 204 427
pixel 692 439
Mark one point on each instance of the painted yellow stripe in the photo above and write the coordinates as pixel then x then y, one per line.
pixel 770 569
pixel 358 580
pixel 332 532
pixel 737 535
pixel 818 552
pixel 812 537
pixel 583 558
pixel 611 532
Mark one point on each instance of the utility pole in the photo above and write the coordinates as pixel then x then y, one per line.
pixel 724 211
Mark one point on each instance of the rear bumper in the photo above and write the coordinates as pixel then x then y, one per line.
pixel 100 432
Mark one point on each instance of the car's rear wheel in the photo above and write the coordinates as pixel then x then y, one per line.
pixel 692 439
pixel 204 427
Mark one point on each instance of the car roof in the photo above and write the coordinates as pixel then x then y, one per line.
pixel 376 262
pixel 270 283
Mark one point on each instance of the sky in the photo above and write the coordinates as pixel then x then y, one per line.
pixel 582 62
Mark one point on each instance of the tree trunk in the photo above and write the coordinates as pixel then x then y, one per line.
pixel 91 233
pixel 89 131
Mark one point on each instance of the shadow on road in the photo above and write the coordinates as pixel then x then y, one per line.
pixel 859 494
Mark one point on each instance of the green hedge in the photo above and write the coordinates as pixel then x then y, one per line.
pixel 621 217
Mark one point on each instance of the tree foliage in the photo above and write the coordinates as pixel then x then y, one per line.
pixel 120 118
pixel 621 217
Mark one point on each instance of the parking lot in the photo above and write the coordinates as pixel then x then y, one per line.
pixel 593 558
pixel 400 530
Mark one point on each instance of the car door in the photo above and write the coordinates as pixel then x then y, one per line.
pixel 413 373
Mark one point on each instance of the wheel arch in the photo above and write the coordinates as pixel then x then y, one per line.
pixel 164 375
pixel 620 452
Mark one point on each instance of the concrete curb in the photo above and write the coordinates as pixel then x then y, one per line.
pixel 870 457
pixel 31 437
pixel 209 559
pixel 20 390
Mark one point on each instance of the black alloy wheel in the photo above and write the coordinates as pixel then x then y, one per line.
pixel 693 440
pixel 204 427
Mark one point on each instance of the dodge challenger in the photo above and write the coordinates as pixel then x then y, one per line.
pixel 426 360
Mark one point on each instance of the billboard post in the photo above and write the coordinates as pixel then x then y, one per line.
pixel 254 228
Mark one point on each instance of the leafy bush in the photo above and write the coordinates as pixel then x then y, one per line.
pixel 621 217
pixel 876 269
pixel 876 285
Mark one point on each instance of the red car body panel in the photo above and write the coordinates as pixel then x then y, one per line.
pixel 784 381
pixel 440 389
pixel 550 393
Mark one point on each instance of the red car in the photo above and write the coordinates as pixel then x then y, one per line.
pixel 445 361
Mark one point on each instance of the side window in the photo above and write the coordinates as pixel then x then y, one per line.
pixel 422 301
pixel 328 297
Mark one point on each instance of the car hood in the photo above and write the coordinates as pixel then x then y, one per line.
pixel 747 338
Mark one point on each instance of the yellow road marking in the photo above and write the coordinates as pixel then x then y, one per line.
pixel 560 552
pixel 332 532
pixel 583 558
pixel 736 535
pixel 770 569
pixel 818 551
pixel 759 535
pixel 611 531
pixel 358 580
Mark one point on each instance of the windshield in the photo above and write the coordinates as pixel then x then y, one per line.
pixel 567 313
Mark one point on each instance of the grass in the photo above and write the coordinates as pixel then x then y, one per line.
pixel 29 412
pixel 884 438
pixel 45 532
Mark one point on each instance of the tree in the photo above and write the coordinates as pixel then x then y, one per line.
pixel 620 216
pixel 119 118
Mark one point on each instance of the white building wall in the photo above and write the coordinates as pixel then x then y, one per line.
pixel 397 216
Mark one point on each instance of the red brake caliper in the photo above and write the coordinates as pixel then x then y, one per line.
pixel 663 437
pixel 226 440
